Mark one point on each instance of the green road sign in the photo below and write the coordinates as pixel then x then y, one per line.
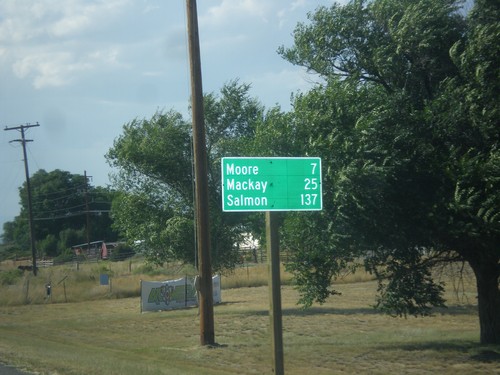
pixel 271 184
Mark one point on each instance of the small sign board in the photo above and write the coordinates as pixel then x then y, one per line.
pixel 104 279
pixel 271 184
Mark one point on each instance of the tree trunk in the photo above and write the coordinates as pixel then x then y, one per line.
pixel 488 300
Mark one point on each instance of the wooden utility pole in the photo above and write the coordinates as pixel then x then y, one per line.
pixel 23 141
pixel 87 212
pixel 275 313
pixel 207 335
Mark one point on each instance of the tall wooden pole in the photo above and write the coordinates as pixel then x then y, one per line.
pixel 87 213
pixel 275 313
pixel 207 335
pixel 23 141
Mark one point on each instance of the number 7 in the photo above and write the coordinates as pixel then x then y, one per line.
pixel 314 165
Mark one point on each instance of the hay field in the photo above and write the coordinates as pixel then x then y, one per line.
pixel 344 336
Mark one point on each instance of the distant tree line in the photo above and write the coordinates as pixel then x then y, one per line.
pixel 61 202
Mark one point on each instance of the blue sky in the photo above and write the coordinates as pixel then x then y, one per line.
pixel 84 68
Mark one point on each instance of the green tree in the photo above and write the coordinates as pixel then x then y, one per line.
pixel 121 252
pixel 48 246
pixel 59 202
pixel 69 237
pixel 154 173
pixel 406 123
pixel 468 115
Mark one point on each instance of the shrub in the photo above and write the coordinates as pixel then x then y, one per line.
pixel 12 251
pixel 121 252
pixel 10 277
pixel 65 257
pixel 102 268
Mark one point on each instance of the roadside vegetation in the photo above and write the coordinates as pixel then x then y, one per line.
pixel 80 282
pixel 346 335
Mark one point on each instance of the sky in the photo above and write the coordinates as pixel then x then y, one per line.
pixel 84 68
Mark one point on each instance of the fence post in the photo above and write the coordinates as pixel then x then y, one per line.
pixel 26 297
pixel 185 290
pixel 141 296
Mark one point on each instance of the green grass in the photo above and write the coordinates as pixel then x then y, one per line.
pixel 343 336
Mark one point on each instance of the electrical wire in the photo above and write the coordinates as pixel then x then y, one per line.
pixel 81 186
pixel 71 214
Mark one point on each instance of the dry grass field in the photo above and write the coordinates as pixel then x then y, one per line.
pixel 344 336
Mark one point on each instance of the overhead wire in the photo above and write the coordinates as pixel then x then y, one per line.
pixel 81 186
pixel 71 214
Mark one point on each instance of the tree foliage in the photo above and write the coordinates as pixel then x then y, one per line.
pixel 59 201
pixel 406 123
pixel 153 159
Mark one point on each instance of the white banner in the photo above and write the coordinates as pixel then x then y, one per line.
pixel 216 289
pixel 174 294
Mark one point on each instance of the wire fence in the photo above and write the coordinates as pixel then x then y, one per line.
pixel 246 257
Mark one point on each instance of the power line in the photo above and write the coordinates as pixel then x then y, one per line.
pixel 76 188
pixel 61 209
pixel 42 200
pixel 68 209
pixel 71 214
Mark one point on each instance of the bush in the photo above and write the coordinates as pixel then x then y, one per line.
pixel 121 252
pixel 48 245
pixel 10 277
pixel 102 268
pixel 12 251
pixel 65 257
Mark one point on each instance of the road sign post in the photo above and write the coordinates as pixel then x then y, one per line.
pixel 272 184
pixel 275 313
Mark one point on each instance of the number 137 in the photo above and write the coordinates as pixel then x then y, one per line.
pixel 308 199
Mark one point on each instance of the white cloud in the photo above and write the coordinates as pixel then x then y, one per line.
pixel 47 41
pixel 225 42
pixel 286 80
pixel 70 24
pixel 58 66
pixel 159 73
pixel 25 20
pixel 15 30
pixel 49 69
pixel 107 57
pixel 230 11
pixel 79 16
pixel 150 8
pixel 298 6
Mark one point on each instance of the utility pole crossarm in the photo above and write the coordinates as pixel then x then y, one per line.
pixel 22 127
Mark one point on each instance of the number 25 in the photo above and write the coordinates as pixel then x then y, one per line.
pixel 311 184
